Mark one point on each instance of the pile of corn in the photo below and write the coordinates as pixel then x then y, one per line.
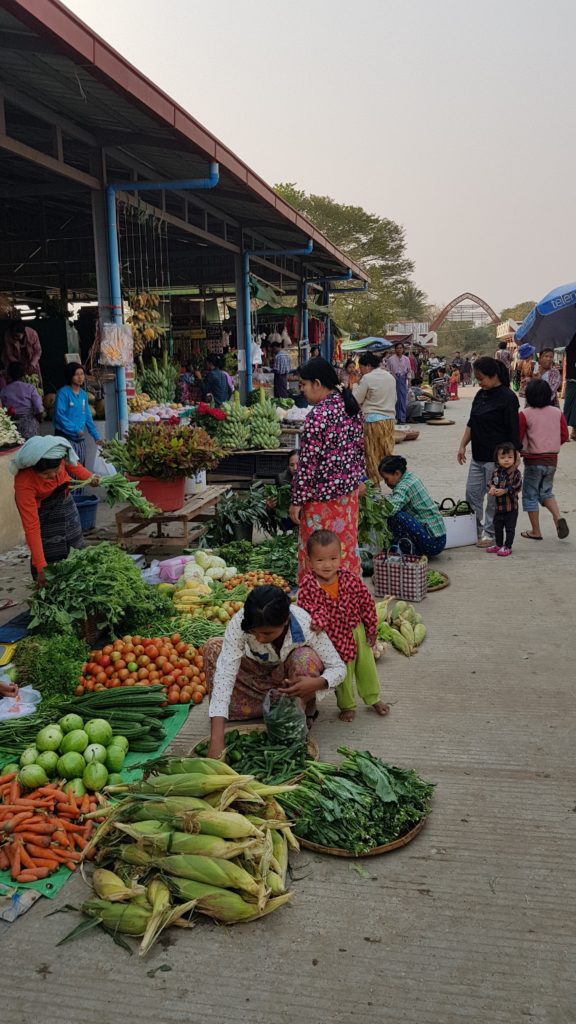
pixel 400 625
pixel 204 837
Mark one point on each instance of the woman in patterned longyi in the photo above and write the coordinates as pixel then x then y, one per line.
pixel 331 464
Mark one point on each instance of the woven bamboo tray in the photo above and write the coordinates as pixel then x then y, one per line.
pixel 440 586
pixel 335 851
pixel 313 748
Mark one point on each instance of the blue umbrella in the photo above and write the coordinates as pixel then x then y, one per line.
pixel 552 322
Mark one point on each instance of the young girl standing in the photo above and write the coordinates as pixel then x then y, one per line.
pixel 505 485
pixel 543 430
pixel 341 606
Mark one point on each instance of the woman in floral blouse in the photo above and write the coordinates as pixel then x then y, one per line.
pixel 331 464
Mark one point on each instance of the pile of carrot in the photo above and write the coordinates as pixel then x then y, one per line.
pixel 41 830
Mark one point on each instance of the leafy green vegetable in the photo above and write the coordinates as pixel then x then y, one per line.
pixel 118 489
pixel 360 804
pixel 51 664
pixel 100 581
pixel 374 511
pixel 278 555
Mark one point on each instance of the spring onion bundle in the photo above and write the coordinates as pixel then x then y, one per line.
pixel 118 490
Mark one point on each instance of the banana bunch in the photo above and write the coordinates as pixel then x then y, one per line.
pixel 234 431
pixel 265 427
pixel 158 380
pixel 140 402
pixel 144 319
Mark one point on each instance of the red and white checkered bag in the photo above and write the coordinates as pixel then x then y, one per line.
pixel 403 576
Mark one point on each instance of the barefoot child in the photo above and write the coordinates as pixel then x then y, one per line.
pixel 342 607
pixel 505 486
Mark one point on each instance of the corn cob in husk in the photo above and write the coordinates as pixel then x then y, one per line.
pixel 185 842
pixel 223 905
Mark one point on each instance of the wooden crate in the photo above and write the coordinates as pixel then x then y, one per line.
pixel 131 527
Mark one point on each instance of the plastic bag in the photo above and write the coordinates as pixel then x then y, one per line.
pixel 103 468
pixel 285 718
pixel 116 345
pixel 24 703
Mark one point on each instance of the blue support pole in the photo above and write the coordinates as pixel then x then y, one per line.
pixel 305 318
pixel 196 184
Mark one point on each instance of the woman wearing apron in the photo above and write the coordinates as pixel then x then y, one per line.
pixel 43 470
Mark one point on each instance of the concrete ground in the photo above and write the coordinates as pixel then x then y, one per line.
pixel 474 922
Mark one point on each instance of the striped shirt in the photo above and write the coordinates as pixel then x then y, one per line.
pixel 282 362
pixel 410 495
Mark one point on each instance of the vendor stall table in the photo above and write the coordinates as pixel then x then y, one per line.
pixel 200 506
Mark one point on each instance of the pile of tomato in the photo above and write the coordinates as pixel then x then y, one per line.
pixel 258 578
pixel 136 660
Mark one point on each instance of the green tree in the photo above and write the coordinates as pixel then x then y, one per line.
pixel 517 312
pixel 463 336
pixel 378 245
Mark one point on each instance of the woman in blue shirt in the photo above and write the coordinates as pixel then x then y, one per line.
pixel 72 414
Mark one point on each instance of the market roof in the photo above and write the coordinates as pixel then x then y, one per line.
pixel 69 95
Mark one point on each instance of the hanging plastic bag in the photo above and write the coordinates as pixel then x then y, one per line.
pixel 24 703
pixel 284 718
pixel 116 345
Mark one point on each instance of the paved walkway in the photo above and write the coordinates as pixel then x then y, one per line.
pixel 474 922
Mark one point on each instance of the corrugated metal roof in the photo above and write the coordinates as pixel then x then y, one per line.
pixel 79 76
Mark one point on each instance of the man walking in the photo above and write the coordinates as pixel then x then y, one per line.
pixel 399 366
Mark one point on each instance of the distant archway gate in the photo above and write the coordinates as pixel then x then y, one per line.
pixel 439 320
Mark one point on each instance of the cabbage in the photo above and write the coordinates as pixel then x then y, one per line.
pixel 229 573
pixel 216 573
pixel 203 559
pixel 216 561
pixel 193 571
pixel 48 760
pixel 49 738
pixel 29 756
pixel 98 730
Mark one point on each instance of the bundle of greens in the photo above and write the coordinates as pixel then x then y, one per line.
pixel 254 753
pixel 238 553
pixel 278 556
pixel 360 804
pixel 50 664
pixel 118 490
pixel 281 495
pixel 100 581
pixel 374 511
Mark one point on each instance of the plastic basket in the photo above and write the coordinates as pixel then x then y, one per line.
pixel 87 505
pixel 271 463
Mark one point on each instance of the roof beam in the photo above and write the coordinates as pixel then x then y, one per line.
pixel 44 113
pixel 49 163
pixel 178 222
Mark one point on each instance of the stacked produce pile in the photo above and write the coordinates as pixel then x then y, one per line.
pixel 41 832
pixel 158 380
pixel 213 602
pixel 265 428
pixel 400 625
pixel 278 556
pixel 257 579
pixel 234 430
pixel 210 837
pixel 358 805
pixel 255 753
pixel 99 582
pixel 150 661
pixel 86 754
pixel 136 715
pixel 9 436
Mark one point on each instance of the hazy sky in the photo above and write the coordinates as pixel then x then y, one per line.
pixel 455 118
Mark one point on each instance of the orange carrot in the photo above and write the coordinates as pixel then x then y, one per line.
pixel 15 791
pixel 7 778
pixel 26 859
pixel 4 862
pixel 61 838
pixel 15 820
pixel 62 855
pixel 33 875
pixel 81 843
pixel 70 865
pixel 32 837
pixel 16 860
pixel 85 804
pixel 69 826
pixel 44 853
pixel 41 828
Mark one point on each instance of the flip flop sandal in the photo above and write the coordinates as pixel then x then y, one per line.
pixel 562 529
pixel 530 536
pixel 310 719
